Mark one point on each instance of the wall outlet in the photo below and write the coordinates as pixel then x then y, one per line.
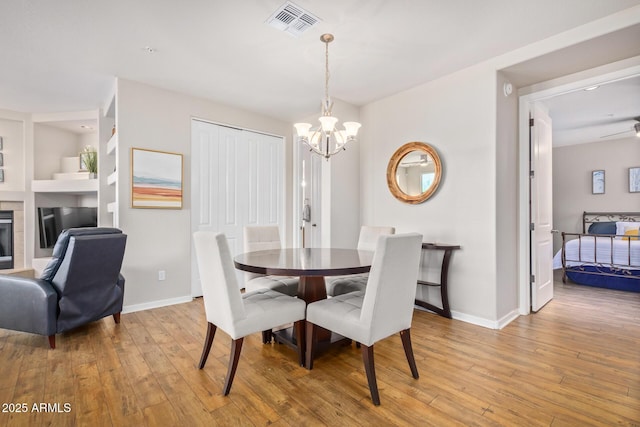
pixel 161 275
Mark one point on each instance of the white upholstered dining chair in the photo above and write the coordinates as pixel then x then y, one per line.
pixel 261 238
pixel 367 241
pixel 383 309
pixel 238 314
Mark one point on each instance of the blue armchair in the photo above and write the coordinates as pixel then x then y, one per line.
pixel 82 283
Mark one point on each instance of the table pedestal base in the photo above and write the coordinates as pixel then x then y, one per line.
pixel 311 289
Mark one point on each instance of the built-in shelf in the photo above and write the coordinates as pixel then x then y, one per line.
pixel 112 178
pixel 111 207
pixel 112 144
pixel 68 176
pixel 78 186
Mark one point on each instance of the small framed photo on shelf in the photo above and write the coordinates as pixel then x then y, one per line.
pixel 634 180
pixel 597 182
pixel 83 162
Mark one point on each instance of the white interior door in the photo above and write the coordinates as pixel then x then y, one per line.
pixel 541 208
pixel 237 179
pixel 309 170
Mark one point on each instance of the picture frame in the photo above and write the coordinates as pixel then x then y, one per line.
pixel 597 182
pixel 156 179
pixel 82 167
pixel 1 143
pixel 1 159
pixel 634 179
pixel 1 175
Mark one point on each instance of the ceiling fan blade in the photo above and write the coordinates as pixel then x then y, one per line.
pixel 618 133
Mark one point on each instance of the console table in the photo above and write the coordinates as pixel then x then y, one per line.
pixel 444 272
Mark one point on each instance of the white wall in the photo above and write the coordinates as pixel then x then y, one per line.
pixel 51 144
pixel 572 167
pixel 456 115
pixel 12 133
pixel 160 239
pixel 506 194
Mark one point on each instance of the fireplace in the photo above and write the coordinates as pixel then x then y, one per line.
pixel 6 240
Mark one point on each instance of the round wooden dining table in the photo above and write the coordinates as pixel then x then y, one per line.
pixel 311 265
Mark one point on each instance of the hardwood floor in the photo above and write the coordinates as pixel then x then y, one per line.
pixel 576 363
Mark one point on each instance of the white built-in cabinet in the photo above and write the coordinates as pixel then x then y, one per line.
pixel 55 178
pixel 57 181
pixel 108 166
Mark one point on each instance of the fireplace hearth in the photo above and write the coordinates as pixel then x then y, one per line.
pixel 6 240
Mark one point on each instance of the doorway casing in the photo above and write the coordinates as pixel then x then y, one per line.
pixel 528 97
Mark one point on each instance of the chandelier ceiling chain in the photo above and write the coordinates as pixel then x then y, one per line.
pixel 326 140
pixel 326 41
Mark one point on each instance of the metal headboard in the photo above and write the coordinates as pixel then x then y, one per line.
pixel 591 217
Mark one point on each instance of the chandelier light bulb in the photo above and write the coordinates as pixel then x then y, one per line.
pixel 328 123
pixel 351 128
pixel 302 129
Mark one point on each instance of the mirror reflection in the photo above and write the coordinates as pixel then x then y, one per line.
pixel 414 172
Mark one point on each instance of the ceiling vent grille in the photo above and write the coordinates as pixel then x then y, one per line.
pixel 292 19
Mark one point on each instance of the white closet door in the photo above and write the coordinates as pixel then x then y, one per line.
pixel 237 180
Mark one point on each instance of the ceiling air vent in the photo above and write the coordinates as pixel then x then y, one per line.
pixel 292 19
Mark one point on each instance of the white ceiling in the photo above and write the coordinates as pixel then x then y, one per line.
pixel 63 55
pixel 605 113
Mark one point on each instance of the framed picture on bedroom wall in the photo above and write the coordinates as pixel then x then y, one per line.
pixel 597 182
pixel 634 180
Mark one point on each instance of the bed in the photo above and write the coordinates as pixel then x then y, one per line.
pixel 606 254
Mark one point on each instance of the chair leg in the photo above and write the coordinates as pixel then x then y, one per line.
pixel 266 336
pixel 370 369
pixel 52 341
pixel 408 351
pixel 211 332
pixel 236 347
pixel 299 328
pixel 116 317
pixel 310 344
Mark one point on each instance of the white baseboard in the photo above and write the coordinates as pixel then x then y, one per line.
pixel 491 324
pixel 155 304
pixel 508 318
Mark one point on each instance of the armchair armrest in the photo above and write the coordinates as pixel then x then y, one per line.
pixel 121 281
pixel 28 305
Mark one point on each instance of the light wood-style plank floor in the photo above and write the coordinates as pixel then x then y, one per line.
pixel 576 363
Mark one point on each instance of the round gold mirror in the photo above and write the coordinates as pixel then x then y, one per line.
pixel 414 172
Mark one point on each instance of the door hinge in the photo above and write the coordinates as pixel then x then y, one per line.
pixel 532 227
pixel 532 174
pixel 531 122
pixel 533 278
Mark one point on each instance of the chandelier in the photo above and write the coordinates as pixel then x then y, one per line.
pixel 326 140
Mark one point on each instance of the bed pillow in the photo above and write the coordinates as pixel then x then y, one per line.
pixel 621 227
pixel 630 231
pixel 602 228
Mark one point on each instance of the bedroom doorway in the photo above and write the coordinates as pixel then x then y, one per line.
pixel 547 91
